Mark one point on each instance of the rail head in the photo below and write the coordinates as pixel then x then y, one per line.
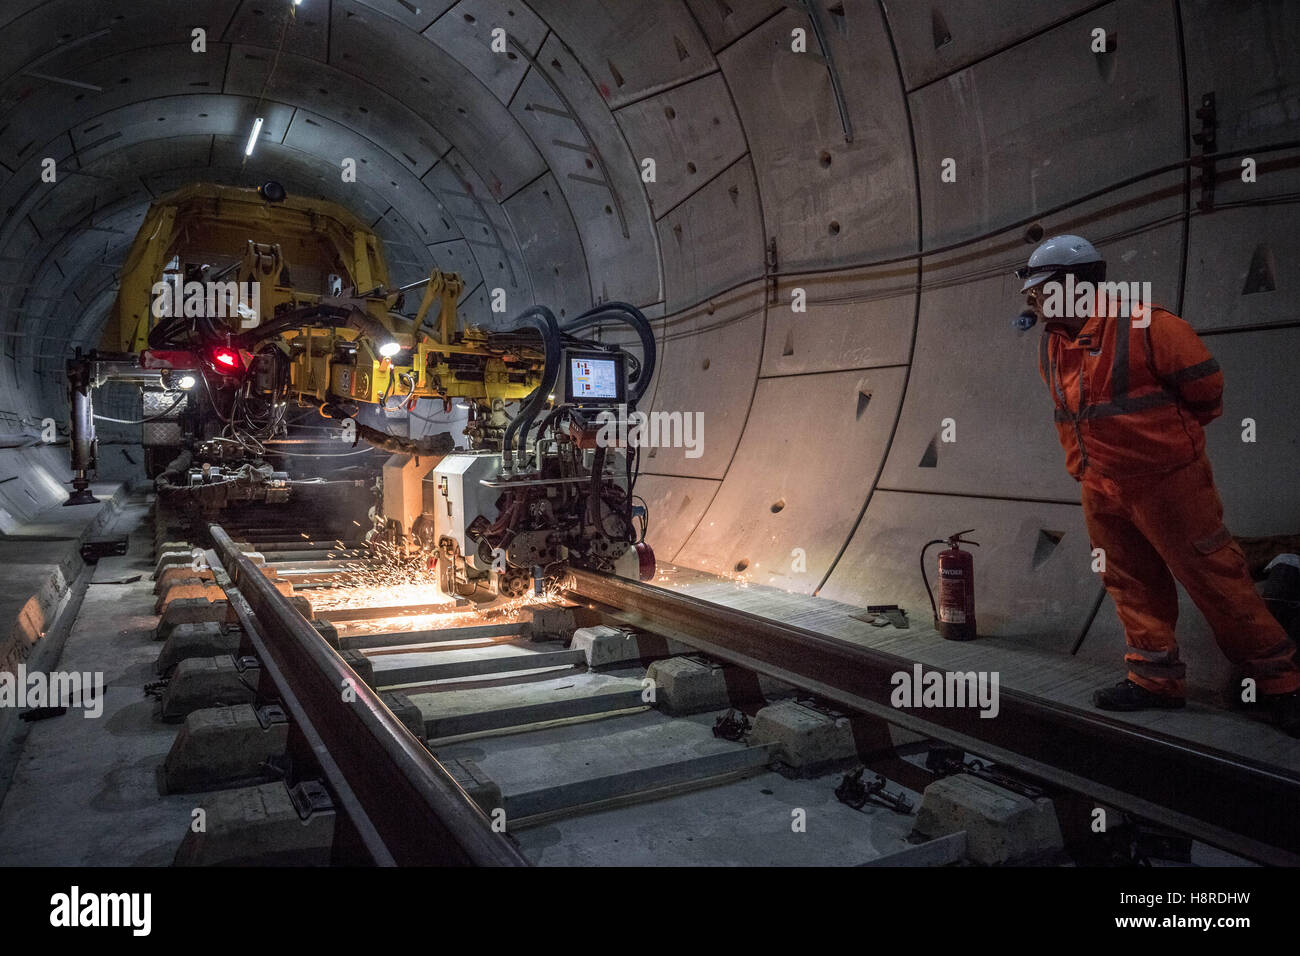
pixel 1224 799
pixel 411 803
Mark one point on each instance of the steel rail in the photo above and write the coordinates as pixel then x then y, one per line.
pixel 412 811
pixel 1222 799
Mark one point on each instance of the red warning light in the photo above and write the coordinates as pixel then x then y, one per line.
pixel 226 359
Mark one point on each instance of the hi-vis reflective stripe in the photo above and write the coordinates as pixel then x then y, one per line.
pixel 1108 409
pixel 1175 671
pixel 1193 372
pixel 1152 656
pixel 1048 365
pixel 1155 664
pixel 1119 370
pixel 1062 413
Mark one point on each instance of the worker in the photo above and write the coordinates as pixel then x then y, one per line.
pixel 1133 386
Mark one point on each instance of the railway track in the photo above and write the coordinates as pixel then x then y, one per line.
pixel 667 731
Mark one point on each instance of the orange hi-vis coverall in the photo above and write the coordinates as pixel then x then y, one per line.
pixel 1131 398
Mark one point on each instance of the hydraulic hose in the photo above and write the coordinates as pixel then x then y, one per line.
pixel 594 516
pixel 322 314
pixel 169 477
pixel 543 320
pixel 629 315
pixel 428 446
pixel 410 393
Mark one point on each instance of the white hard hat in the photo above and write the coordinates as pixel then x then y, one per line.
pixel 1057 255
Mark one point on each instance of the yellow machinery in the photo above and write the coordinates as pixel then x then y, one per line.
pixel 238 305
pixel 308 259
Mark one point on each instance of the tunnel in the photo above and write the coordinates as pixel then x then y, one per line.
pixel 819 205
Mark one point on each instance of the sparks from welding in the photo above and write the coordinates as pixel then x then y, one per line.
pixel 394 578
pixel 509 613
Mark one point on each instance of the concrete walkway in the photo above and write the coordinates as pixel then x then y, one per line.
pixel 84 791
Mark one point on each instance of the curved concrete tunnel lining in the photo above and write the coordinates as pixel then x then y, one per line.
pixel 727 208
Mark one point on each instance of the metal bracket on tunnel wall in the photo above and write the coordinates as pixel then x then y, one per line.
pixel 1207 139
pixel 819 32
pixel 772 277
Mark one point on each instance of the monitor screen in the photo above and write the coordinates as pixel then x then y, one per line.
pixel 595 378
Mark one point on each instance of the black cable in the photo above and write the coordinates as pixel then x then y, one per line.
pixel 543 321
pixel 388 393
pixel 162 334
pixel 154 418
pixel 551 416
pixel 203 377
pixel 629 315
pixel 593 492
pixel 645 518
pixel 928 593
pixel 628 459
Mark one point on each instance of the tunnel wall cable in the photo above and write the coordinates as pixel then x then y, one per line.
pixel 928 285
pixel 922 254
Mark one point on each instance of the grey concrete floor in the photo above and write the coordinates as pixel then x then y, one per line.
pixel 749 822
pixel 519 693
pixel 84 791
pixel 582 750
pixel 730 822
pixel 388 662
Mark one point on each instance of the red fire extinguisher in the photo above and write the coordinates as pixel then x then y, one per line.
pixel 954 618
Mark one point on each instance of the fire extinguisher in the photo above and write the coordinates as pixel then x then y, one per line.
pixel 954 618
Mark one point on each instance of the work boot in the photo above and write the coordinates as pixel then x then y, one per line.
pixel 1285 709
pixel 1127 695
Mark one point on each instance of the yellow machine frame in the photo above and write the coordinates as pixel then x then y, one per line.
pixel 209 219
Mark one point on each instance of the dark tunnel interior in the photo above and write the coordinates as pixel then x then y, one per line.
pixel 819 205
